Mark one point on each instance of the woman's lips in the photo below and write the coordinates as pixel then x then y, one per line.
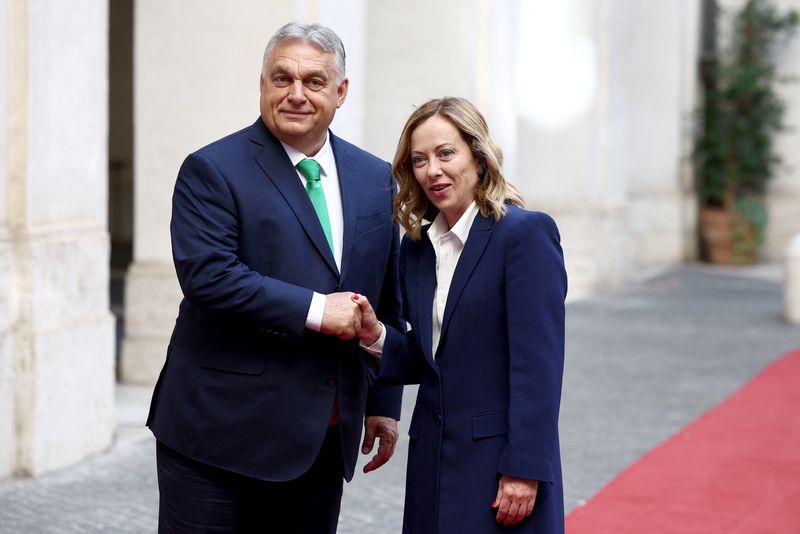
pixel 439 189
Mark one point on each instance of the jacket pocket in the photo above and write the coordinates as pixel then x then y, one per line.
pixel 486 425
pixel 244 363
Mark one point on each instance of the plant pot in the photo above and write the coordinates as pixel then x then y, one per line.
pixel 727 237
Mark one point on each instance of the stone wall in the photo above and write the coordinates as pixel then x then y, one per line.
pixel 589 100
pixel 197 68
pixel 56 332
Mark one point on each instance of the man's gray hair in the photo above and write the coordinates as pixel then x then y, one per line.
pixel 317 34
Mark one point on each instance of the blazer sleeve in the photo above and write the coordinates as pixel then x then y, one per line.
pixel 536 286
pixel 205 233
pixel 383 398
pixel 402 361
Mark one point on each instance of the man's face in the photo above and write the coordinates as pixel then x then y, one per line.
pixel 299 94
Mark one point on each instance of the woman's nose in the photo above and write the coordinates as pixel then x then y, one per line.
pixel 433 168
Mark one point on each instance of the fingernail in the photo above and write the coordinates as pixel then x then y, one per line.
pixel 494 504
pixel 355 297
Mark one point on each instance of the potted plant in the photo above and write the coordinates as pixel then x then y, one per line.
pixel 740 115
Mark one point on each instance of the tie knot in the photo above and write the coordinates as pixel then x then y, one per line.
pixel 310 169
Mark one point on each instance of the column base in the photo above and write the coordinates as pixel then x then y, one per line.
pixel 152 296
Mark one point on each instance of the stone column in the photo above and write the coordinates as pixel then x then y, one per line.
pixel 562 92
pixel 196 70
pixel 783 197
pixel 604 90
pixel 56 332
pixel 656 63
pixel 791 281
pixel 7 433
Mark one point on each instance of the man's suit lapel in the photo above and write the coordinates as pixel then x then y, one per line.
pixel 476 243
pixel 278 168
pixel 349 188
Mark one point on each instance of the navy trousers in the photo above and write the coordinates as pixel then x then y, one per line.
pixel 196 497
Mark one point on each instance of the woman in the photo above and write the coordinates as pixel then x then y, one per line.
pixel 483 289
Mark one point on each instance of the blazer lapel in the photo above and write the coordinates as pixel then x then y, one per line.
pixel 476 243
pixel 349 188
pixel 425 288
pixel 278 168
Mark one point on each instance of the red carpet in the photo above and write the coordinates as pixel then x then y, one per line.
pixel 734 470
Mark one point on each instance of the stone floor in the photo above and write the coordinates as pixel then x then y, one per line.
pixel 642 361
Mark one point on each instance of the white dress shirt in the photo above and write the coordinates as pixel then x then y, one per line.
pixel 447 245
pixel 329 178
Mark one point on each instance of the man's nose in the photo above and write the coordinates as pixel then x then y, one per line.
pixel 296 93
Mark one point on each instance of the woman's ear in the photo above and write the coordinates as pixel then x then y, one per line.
pixel 482 170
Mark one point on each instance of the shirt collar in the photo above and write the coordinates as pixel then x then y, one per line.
pixel 460 229
pixel 324 156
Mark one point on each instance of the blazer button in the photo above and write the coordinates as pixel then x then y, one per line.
pixel 438 419
pixel 331 383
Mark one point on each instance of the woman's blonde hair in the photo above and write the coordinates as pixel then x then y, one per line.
pixel 492 192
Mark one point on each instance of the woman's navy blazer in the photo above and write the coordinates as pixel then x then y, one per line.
pixel 488 402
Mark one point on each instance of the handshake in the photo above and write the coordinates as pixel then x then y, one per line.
pixel 349 315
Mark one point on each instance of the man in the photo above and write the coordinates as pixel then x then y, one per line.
pixel 259 406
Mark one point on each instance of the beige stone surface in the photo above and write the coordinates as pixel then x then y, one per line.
pixel 192 86
pixel 197 67
pixel 791 281
pixel 152 295
pixel 56 332
pixel 73 413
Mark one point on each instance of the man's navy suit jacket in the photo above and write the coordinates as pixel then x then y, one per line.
pixel 246 387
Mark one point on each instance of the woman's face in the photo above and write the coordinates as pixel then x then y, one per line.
pixel 444 167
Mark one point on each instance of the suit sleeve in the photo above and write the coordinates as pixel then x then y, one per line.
pixel 205 234
pixel 536 286
pixel 382 398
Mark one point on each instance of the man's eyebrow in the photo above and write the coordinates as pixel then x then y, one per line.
pixel 277 68
pixel 315 72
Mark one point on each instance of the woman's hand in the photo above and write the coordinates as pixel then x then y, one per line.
pixel 515 499
pixel 371 328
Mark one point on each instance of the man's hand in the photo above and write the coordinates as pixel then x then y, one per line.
pixel 371 328
pixel 515 499
pixel 342 316
pixel 385 429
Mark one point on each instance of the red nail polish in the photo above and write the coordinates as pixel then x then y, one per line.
pixel 494 504
pixel 355 297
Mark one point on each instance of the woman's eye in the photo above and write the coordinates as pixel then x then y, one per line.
pixel 446 153
pixel 417 161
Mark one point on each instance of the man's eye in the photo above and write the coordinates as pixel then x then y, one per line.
pixel 280 80
pixel 316 84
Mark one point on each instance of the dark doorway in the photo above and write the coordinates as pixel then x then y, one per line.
pixel 120 153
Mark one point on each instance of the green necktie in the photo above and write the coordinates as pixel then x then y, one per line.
pixel 310 169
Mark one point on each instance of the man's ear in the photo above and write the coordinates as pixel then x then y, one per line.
pixel 341 92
